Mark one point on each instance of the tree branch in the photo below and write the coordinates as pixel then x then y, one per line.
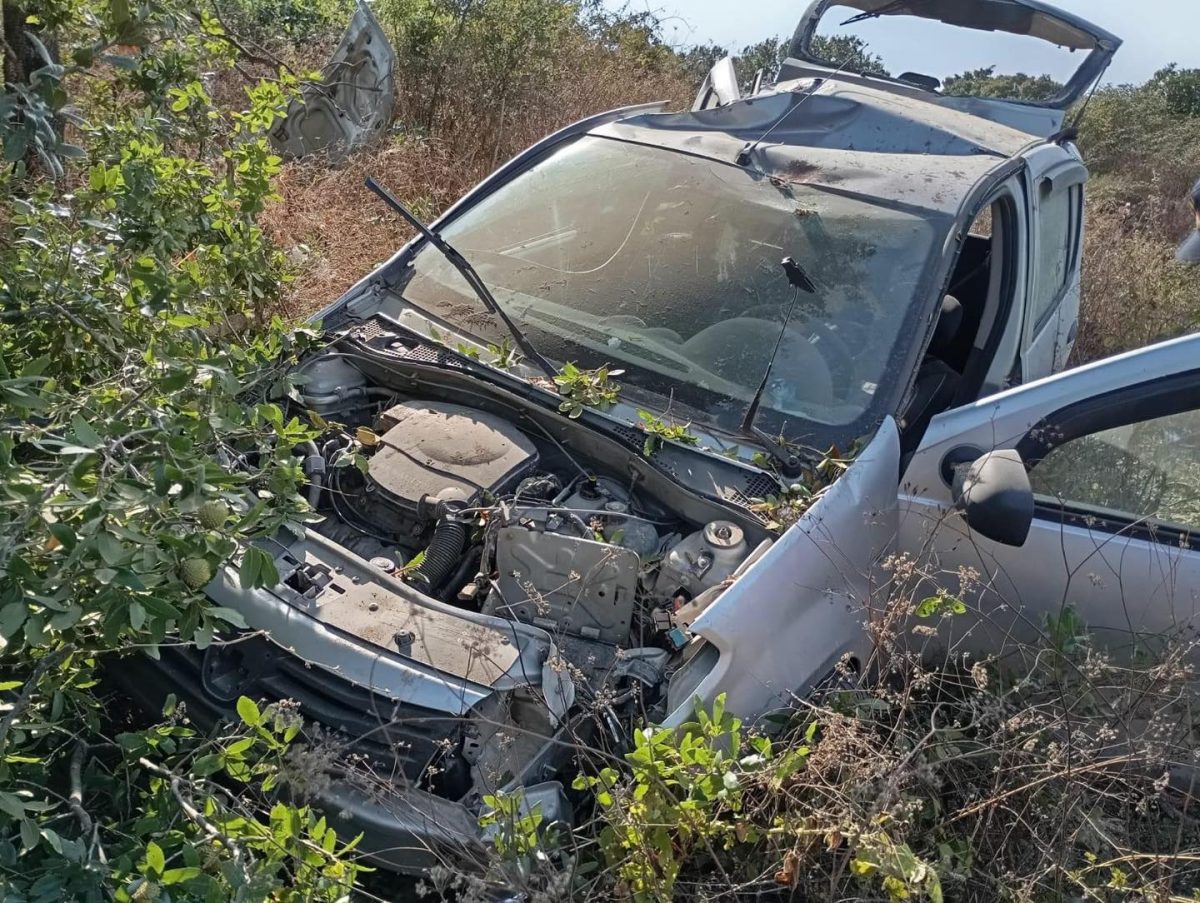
pixel 210 830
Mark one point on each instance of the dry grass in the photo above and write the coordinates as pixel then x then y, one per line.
pixel 1134 291
pixel 1144 162
pixel 337 231
pixel 1052 771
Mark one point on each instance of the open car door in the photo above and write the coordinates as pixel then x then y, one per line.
pixel 831 26
pixel 1112 451
pixel 353 101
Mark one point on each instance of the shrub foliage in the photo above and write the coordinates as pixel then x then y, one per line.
pixel 138 359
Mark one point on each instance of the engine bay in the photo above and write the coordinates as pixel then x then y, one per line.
pixel 472 510
pixel 487 517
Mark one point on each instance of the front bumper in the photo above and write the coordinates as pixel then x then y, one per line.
pixel 407 825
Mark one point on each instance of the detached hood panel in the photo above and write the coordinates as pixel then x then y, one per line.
pixel 353 102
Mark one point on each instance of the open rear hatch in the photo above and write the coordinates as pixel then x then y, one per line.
pixel 870 35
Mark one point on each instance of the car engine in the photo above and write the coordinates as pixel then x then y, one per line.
pixel 463 492
pixel 475 511
pixel 530 597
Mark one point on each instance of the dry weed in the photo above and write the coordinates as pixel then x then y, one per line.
pixel 1134 291
pixel 336 231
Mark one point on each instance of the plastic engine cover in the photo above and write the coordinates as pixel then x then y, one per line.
pixel 434 452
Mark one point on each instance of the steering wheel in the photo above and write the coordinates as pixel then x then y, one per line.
pixel 833 348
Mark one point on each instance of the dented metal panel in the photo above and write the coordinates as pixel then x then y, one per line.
pixel 799 609
pixel 866 143
pixel 354 101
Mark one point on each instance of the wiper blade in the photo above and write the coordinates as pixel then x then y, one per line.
pixel 790 463
pixel 875 14
pixel 468 273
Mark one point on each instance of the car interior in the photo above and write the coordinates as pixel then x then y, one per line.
pixel 722 309
pixel 959 353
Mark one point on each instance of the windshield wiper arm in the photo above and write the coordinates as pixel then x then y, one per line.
pixel 468 273
pixel 874 14
pixel 790 463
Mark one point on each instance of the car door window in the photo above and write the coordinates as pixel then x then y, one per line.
pixel 1145 471
pixel 1058 222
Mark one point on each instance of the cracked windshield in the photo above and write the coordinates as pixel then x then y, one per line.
pixel 668 266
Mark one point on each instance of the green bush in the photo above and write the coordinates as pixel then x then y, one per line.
pixel 1180 89
pixel 273 22
pixel 142 450
pixel 1061 777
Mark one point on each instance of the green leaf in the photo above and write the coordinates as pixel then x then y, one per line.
pixel 228 615
pixel 257 569
pixel 155 860
pixel 175 876
pixel 119 11
pixel 110 549
pixel 64 534
pixel 238 749
pixel 11 804
pixel 207 765
pixel 29 834
pixel 85 435
pixel 251 569
pixel 247 710
pixel 12 616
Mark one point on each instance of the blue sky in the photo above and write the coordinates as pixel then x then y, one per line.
pixel 1156 32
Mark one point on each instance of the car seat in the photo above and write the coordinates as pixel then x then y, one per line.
pixel 937 384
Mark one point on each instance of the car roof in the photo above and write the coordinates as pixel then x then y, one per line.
pixel 854 139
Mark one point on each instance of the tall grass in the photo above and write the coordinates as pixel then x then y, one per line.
pixel 477 83
pixel 1144 160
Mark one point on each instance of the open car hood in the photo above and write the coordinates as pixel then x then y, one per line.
pixel 1029 18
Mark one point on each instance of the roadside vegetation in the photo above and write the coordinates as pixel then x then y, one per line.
pixel 1051 773
pixel 154 256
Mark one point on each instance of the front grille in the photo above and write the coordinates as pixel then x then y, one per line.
pixel 399 740
pixel 394 736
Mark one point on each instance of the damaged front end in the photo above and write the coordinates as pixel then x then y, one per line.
pixel 512 566
pixel 543 611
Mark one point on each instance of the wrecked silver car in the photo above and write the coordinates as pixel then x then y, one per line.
pixel 578 467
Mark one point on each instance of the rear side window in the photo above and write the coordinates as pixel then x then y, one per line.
pixel 1058 224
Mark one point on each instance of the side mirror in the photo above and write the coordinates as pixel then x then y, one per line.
pixel 995 497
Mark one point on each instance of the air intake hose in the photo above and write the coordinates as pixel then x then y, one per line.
pixel 444 552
